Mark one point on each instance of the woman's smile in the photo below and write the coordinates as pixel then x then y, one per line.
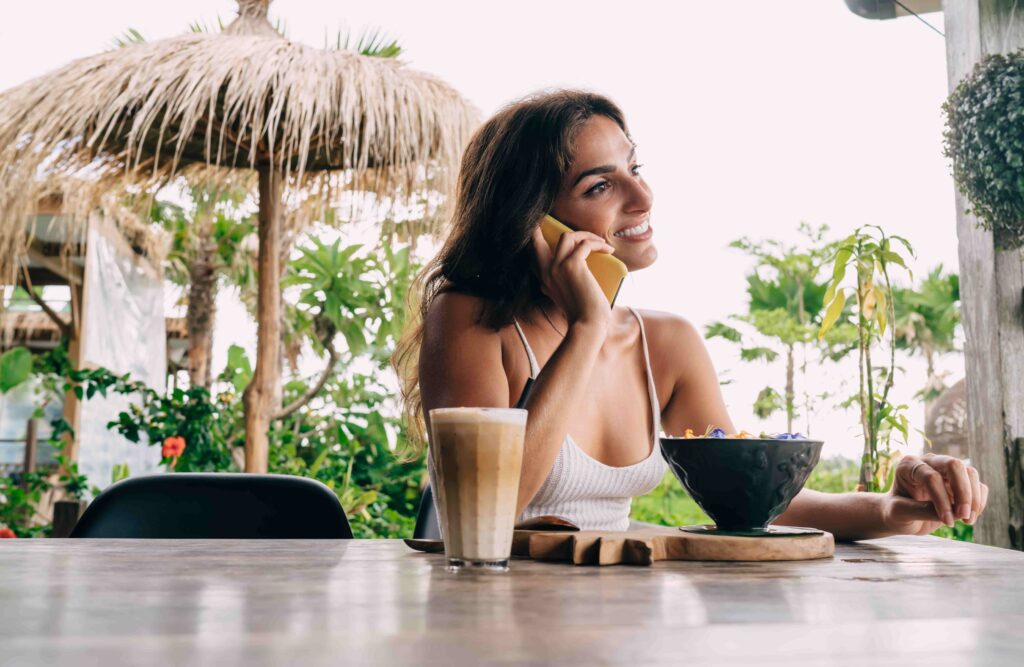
pixel 640 232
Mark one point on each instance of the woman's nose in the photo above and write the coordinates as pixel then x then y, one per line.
pixel 641 197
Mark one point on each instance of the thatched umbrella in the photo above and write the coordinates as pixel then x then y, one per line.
pixel 247 98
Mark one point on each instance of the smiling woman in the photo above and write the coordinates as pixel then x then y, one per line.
pixel 501 312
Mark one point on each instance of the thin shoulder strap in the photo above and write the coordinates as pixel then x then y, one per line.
pixel 655 405
pixel 534 366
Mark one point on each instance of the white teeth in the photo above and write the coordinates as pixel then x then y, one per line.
pixel 634 231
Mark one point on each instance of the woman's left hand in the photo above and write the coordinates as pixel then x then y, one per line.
pixel 931 490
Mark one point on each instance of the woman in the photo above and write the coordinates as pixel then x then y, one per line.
pixel 498 308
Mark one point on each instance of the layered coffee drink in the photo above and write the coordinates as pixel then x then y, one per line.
pixel 477 454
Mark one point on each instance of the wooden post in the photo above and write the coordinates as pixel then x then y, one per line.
pixel 31 446
pixel 66 514
pixel 73 406
pixel 991 287
pixel 262 390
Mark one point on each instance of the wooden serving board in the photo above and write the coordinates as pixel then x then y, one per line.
pixel 643 547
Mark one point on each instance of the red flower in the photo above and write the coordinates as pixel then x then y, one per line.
pixel 173 447
pixel 6 532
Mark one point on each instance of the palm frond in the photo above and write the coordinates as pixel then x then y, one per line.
pixel 129 37
pixel 373 43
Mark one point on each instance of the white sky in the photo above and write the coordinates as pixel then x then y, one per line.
pixel 751 116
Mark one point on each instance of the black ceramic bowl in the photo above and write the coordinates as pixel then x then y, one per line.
pixel 743 484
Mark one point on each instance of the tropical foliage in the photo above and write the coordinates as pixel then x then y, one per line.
pixel 212 242
pixel 339 427
pixel 785 305
pixel 873 255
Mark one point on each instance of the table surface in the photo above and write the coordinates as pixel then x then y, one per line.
pixel 894 601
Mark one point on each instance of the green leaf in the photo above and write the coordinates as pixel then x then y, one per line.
pixel 722 330
pixel 838 273
pixel 238 359
pixel 15 368
pixel 758 353
pixel 881 310
pixel 835 309
pixel 894 257
pixel 768 401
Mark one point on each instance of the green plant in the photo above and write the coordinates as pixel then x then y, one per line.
pixel 15 368
pixel 984 137
pixel 21 494
pixel 211 243
pixel 341 426
pixel 187 414
pixel 345 439
pixel 785 304
pixel 343 429
pixel 872 255
pixel 19 497
pixel 959 531
pixel 836 474
pixel 668 505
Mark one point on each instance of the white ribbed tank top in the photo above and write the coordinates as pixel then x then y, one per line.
pixel 591 494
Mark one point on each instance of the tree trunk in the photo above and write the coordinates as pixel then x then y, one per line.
pixel 790 392
pixel 991 283
pixel 202 310
pixel 259 395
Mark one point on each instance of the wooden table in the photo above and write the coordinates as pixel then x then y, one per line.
pixel 190 602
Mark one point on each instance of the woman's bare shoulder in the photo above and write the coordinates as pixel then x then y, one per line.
pixel 454 317
pixel 668 331
pixel 460 359
pixel 456 310
pixel 676 346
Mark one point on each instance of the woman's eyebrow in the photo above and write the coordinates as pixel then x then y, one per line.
pixel 603 169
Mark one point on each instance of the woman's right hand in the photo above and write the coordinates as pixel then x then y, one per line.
pixel 566 279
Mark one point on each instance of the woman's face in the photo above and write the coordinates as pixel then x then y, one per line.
pixel 605 194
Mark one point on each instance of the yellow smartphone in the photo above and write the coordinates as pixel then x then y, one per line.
pixel 607 269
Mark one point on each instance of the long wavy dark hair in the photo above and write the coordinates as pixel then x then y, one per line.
pixel 511 172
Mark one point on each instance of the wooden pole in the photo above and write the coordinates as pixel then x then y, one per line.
pixel 260 394
pixel 31 446
pixel 66 514
pixel 991 287
pixel 73 406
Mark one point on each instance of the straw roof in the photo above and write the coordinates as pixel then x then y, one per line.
pixel 242 98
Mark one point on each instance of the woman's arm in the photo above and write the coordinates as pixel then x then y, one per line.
pixel 927 491
pixel 460 361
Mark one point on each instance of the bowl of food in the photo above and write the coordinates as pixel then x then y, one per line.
pixel 744 481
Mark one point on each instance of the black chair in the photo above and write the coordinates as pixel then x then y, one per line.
pixel 217 506
pixel 426 518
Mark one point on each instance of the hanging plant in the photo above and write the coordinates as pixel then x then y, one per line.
pixel 985 139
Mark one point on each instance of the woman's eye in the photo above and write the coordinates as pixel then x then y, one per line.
pixel 600 187
pixel 636 169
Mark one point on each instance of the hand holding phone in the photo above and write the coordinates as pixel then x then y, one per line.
pixel 607 269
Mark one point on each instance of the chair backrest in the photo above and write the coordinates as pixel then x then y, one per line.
pixel 426 520
pixel 215 506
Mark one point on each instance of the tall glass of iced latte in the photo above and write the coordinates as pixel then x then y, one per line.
pixel 477 454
